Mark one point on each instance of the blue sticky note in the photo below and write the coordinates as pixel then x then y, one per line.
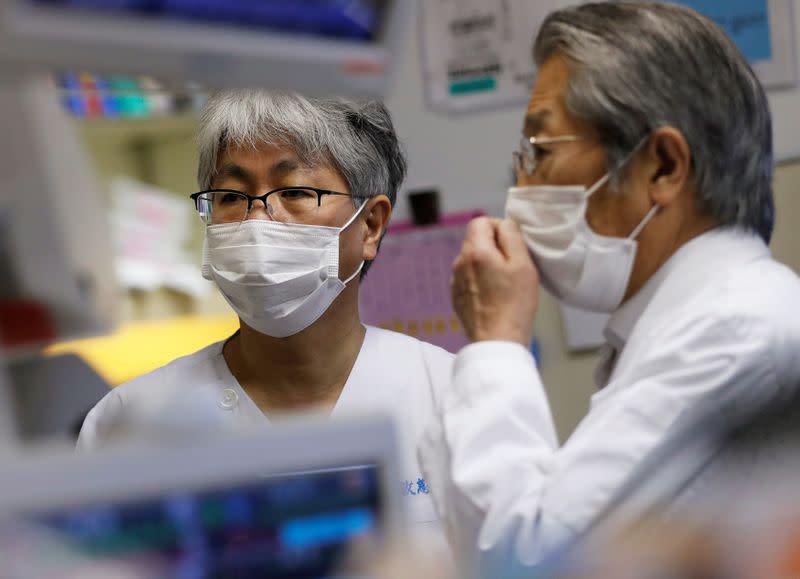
pixel 745 21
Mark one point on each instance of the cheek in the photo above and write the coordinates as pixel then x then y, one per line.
pixel 351 249
pixel 616 213
pixel 571 169
pixel 606 214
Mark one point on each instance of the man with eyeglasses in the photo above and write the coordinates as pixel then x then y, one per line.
pixel 296 195
pixel 644 190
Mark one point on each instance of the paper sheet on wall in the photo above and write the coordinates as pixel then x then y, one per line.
pixel 407 288
pixel 764 31
pixel 745 21
pixel 478 53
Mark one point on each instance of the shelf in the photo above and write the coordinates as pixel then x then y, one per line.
pixel 124 129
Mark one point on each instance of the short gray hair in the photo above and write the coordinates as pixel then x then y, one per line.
pixel 638 66
pixel 355 138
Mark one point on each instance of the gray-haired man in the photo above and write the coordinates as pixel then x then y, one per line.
pixel 296 195
pixel 645 191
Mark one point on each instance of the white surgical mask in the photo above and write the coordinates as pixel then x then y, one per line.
pixel 576 265
pixel 278 277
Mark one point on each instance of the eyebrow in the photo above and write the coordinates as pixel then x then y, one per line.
pixel 536 122
pixel 233 171
pixel 276 172
pixel 283 168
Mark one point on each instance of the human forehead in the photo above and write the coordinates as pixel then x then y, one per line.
pixel 260 154
pixel 547 113
pixel 265 160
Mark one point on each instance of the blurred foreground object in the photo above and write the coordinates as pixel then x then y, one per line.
pixel 280 503
pixel 738 520
pixel 317 47
pixel 56 277
pixel 51 397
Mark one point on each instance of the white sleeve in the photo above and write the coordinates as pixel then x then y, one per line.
pixel 100 422
pixel 492 444
pixel 508 494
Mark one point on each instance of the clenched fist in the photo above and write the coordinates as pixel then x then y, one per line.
pixel 495 285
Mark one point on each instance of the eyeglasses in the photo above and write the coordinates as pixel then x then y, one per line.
pixel 529 153
pixel 286 204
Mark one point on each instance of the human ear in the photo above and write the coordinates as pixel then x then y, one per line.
pixel 670 164
pixel 377 212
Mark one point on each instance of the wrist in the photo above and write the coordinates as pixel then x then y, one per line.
pixel 516 337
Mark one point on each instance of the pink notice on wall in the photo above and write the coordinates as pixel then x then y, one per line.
pixel 408 287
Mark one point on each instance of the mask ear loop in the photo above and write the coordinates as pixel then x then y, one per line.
pixel 353 218
pixel 605 178
pixel 602 181
pixel 354 274
pixel 650 214
pixel 655 208
pixel 345 226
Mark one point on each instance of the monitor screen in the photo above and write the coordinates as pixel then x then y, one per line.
pixel 286 526
pixel 346 19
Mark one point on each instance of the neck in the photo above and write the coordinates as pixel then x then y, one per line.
pixel 661 248
pixel 306 371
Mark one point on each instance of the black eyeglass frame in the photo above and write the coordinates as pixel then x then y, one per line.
pixel 263 198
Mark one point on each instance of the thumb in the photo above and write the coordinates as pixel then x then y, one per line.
pixel 510 241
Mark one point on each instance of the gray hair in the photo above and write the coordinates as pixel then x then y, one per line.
pixel 355 138
pixel 638 66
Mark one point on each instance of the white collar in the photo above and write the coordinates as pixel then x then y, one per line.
pixel 717 246
pixel 620 325
pixel 353 395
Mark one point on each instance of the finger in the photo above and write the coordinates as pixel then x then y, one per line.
pixel 457 262
pixel 481 228
pixel 457 278
pixel 466 249
pixel 461 262
pixel 460 266
pixel 510 241
pixel 480 240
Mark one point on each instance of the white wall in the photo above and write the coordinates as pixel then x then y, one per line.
pixel 785 106
pixel 469 157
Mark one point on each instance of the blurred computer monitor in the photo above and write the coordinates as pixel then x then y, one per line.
pixel 288 502
pixel 340 47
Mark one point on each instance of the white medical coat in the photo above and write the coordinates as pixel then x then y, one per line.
pixel 720 319
pixel 392 374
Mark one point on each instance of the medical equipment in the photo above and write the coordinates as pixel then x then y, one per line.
pixel 257 509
